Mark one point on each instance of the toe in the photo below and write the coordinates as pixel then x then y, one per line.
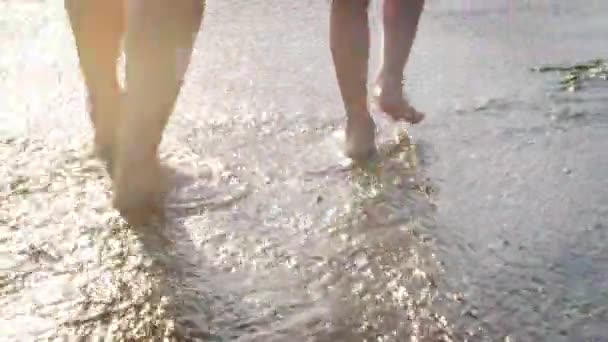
pixel 396 106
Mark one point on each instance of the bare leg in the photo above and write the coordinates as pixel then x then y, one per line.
pixel 400 25
pixel 159 43
pixel 98 26
pixel 349 40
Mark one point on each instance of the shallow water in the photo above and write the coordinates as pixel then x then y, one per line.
pixel 488 224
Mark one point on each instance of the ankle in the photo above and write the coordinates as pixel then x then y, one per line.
pixel 359 117
pixel 389 80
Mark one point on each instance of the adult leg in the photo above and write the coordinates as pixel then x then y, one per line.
pixel 98 26
pixel 401 19
pixel 349 40
pixel 159 43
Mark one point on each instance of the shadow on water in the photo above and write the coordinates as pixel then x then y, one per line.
pixel 386 274
pixel 181 298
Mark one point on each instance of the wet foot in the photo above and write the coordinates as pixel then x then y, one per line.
pixel 360 137
pixel 138 190
pixel 391 101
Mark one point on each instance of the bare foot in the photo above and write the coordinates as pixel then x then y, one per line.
pixel 360 137
pixel 391 101
pixel 139 189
